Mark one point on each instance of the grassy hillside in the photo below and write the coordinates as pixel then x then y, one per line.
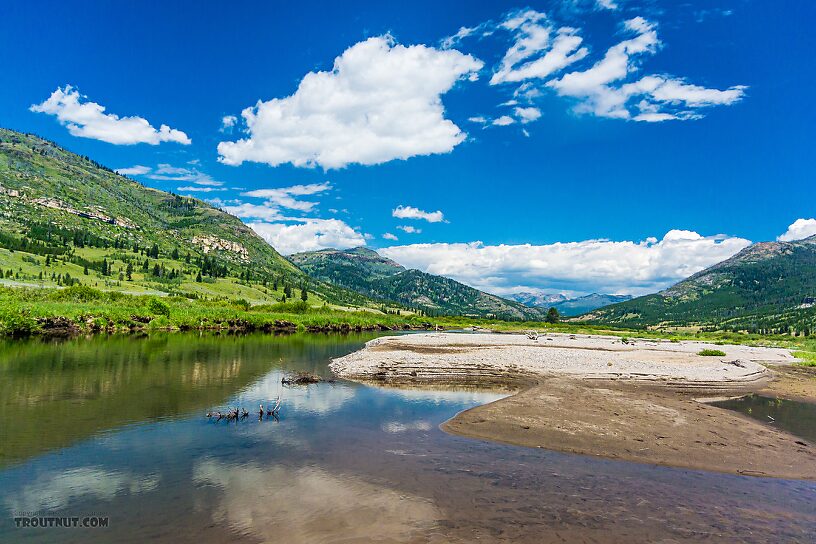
pixel 65 219
pixel 370 274
pixel 768 288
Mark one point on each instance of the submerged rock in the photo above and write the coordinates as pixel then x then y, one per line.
pixel 301 378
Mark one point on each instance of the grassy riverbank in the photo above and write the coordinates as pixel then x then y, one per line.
pixel 83 309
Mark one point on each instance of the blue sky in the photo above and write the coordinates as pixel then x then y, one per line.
pixel 571 188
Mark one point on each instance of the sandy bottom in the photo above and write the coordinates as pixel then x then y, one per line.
pixel 628 422
pixel 598 396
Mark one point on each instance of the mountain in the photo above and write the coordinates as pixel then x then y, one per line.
pixel 352 268
pixel 538 300
pixel 65 218
pixel 587 303
pixel 372 275
pixel 767 287
pixel 568 306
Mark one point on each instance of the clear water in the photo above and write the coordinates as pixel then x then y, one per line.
pixel 797 418
pixel 116 427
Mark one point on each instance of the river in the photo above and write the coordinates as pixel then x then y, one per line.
pixel 115 428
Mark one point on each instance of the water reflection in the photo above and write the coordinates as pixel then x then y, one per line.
pixel 310 505
pixel 796 417
pixel 345 463
pixel 55 492
pixel 53 394
pixel 317 399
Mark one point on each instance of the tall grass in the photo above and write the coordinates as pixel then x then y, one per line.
pixel 25 311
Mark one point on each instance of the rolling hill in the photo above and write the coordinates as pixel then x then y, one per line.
pixel 65 219
pixel 768 287
pixel 370 274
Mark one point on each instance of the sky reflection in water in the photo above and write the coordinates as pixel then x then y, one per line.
pixel 345 461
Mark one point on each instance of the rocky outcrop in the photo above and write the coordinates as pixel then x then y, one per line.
pixel 95 212
pixel 212 243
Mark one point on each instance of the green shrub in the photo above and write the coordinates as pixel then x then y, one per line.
pixel 242 304
pixel 158 307
pixel 161 322
pixel 98 323
pixel 807 358
pixel 712 353
pixel 15 322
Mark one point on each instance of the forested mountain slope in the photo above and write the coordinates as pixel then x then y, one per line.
pixel 766 287
pixel 368 273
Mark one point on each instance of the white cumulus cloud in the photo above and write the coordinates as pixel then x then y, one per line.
pixel 381 101
pixel 409 212
pixel 587 266
pixel 136 170
pixel 527 115
pixel 389 236
pixel 89 120
pixel 607 4
pixel 799 230
pixel 409 229
pixel 228 121
pixel 289 234
pixel 311 235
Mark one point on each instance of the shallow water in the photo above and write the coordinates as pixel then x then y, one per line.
pixel 796 417
pixel 115 427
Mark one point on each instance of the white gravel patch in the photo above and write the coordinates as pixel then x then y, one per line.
pixel 453 356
